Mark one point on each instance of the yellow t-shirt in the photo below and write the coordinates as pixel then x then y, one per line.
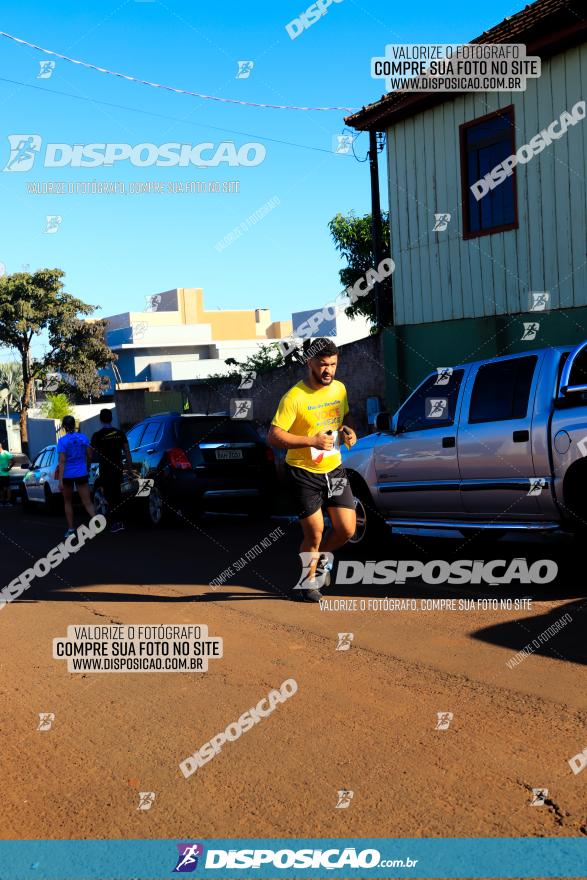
pixel 306 412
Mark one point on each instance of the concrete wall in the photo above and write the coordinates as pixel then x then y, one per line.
pixel 361 368
pixel 42 432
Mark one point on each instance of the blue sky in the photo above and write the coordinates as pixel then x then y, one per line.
pixel 118 249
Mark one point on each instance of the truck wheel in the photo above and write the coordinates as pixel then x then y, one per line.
pixel 371 530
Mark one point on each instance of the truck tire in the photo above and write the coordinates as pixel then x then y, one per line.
pixel 371 531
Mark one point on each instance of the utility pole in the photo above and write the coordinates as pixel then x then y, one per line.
pixel 376 231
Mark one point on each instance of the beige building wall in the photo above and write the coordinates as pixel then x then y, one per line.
pixel 279 330
pixel 229 324
pixel 185 306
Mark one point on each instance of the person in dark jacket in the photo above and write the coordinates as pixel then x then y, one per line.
pixel 111 446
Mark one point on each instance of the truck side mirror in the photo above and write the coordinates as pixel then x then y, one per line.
pixel 383 422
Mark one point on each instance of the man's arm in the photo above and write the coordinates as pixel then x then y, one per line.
pixel 60 467
pixel 348 432
pixel 284 440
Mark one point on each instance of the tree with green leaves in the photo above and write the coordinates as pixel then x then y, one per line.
pixel 265 359
pixel 354 241
pixel 56 406
pixel 36 303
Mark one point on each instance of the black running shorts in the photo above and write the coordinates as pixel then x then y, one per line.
pixel 312 491
pixel 79 481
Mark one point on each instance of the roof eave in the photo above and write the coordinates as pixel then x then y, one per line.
pixel 543 41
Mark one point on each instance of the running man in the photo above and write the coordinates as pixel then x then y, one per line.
pixel 73 468
pixel 309 420
pixel 6 462
pixel 112 446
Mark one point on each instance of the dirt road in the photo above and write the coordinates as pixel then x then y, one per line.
pixel 363 720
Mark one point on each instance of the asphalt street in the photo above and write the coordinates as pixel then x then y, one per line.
pixel 421 717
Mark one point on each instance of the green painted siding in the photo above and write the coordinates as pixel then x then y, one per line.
pixel 412 351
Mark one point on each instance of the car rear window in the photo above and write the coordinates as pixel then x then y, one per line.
pixel 216 430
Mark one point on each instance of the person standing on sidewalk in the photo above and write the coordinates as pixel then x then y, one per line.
pixel 6 462
pixel 75 455
pixel 112 447
pixel 309 421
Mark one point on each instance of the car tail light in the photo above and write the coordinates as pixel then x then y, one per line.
pixel 269 454
pixel 178 459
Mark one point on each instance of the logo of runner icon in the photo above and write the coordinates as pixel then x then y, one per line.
pixel 187 860
pixel 23 151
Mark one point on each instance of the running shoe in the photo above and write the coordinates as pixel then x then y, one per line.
pixel 323 570
pixel 69 532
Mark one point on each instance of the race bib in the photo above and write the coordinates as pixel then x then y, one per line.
pixel 321 454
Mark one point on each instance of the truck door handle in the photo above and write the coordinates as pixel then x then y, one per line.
pixel 448 442
pixel 520 436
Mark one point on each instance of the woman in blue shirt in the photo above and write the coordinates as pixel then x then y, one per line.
pixel 75 455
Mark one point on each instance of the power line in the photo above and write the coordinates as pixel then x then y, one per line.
pixel 161 115
pixel 145 82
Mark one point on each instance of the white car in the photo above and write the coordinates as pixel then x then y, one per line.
pixel 39 484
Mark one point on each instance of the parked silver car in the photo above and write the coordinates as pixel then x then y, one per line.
pixel 39 484
pixel 497 445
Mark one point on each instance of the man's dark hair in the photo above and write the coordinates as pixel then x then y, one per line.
pixel 321 347
pixel 68 423
pixel 106 416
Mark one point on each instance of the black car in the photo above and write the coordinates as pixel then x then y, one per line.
pixel 190 463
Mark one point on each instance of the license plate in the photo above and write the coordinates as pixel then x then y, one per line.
pixel 229 453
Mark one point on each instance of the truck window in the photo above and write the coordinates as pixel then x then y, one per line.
pixel 579 369
pixel 415 413
pixel 502 390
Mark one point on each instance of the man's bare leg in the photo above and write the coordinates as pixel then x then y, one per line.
pixel 344 523
pixel 68 505
pixel 312 529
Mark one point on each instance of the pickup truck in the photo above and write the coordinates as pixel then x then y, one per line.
pixel 496 445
